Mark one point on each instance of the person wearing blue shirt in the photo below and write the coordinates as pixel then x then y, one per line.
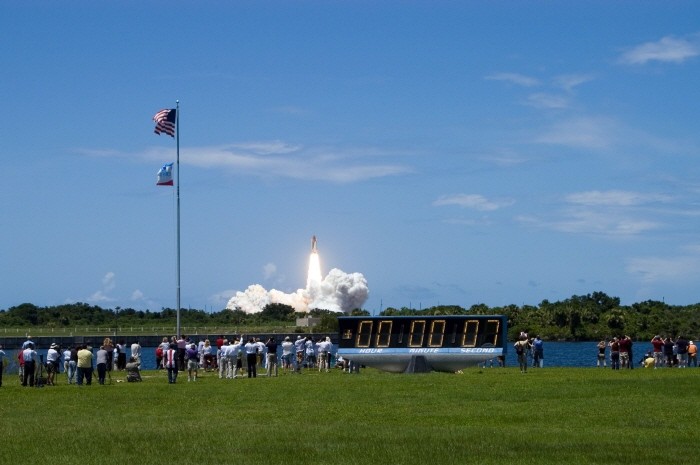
pixel 538 353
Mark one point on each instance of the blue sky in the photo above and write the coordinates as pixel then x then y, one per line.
pixel 451 152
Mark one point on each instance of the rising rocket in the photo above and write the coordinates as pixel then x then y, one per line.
pixel 313 245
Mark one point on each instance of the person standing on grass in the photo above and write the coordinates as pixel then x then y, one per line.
pixel 171 362
pixel 692 354
pixel 181 349
pixel 624 345
pixel 538 349
pixel 84 366
pixel 162 347
pixel 682 351
pixel 108 344
pixel 2 363
pixel 30 357
pixel 658 349
pixel 52 362
pixel 66 365
pixel 74 360
pixel 310 352
pixel 101 359
pixel 236 357
pixel 615 354
pixel 522 347
pixel 299 349
pixel 70 363
pixel 287 351
pixel 121 358
pixel 669 348
pixel 192 362
pixel 630 346
pixel 271 346
pixel 601 354
pixel 262 360
pixel 223 359
pixel 251 352
pixel 324 354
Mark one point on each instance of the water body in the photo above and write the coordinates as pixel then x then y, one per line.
pixel 556 354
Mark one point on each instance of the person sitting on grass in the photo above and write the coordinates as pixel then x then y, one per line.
pixel 133 371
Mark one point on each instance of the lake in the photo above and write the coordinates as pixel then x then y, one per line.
pixel 556 354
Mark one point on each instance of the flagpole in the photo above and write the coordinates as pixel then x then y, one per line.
pixel 177 131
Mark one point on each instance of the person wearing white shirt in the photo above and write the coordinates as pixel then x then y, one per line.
pixel 261 353
pixel 299 349
pixel 287 350
pixel 30 357
pixel 136 352
pixel 236 361
pixel 231 357
pixel 200 352
pixel 52 358
pixel 324 347
pixel 68 367
pixel 171 363
pixel 223 360
pixel 310 353
pixel 251 352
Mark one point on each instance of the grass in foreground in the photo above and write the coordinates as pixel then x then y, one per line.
pixel 490 416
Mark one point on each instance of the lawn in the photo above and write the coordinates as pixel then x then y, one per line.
pixel 482 416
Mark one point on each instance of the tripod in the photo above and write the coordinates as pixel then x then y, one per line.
pixel 40 380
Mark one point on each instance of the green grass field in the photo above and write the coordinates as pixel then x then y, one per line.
pixel 483 416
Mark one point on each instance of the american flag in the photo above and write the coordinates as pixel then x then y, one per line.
pixel 165 121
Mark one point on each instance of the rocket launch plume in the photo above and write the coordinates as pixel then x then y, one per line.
pixel 337 292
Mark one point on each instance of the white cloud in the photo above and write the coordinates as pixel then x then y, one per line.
pixel 583 132
pixel 278 159
pixel 615 198
pixel 611 213
pixel 514 78
pixel 668 49
pixel 569 81
pixel 665 269
pixel 607 223
pixel 473 201
pixel 543 100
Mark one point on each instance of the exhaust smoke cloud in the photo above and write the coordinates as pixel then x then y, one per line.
pixel 338 291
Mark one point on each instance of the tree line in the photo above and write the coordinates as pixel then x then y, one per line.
pixel 579 318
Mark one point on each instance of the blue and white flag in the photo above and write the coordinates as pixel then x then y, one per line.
pixel 165 175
